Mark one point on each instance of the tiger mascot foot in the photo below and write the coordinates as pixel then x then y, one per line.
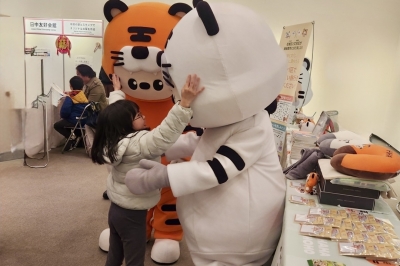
pixel 165 251
pixel 104 240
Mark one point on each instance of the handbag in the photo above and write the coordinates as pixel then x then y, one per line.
pixel 92 114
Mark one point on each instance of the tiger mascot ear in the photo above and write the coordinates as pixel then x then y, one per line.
pixel 113 8
pixel 179 9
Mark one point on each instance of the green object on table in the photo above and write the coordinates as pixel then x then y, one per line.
pixel 324 263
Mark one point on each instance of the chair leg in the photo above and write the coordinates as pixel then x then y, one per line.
pixel 68 141
pixel 65 145
pixel 85 144
pixel 78 139
pixel 83 135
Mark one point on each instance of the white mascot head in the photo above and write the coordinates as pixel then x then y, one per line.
pixel 236 56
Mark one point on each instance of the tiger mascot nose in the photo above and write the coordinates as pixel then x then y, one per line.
pixel 140 52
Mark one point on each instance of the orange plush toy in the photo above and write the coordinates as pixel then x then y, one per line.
pixel 369 161
pixel 132 40
pixel 311 182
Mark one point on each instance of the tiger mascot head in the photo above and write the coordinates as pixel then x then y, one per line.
pixel 132 40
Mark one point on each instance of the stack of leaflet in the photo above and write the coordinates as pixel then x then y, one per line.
pixel 302 140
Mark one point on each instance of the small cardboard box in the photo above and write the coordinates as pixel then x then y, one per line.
pixel 343 200
pixel 326 173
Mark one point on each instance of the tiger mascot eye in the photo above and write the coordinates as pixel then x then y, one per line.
pixel 133 38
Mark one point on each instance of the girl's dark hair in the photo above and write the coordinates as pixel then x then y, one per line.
pixel 113 124
pixel 76 83
pixel 86 71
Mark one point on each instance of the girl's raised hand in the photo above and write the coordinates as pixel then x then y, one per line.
pixel 116 82
pixel 190 90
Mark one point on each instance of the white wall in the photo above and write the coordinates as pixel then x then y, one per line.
pixel 356 52
pixel 12 83
pixel 391 122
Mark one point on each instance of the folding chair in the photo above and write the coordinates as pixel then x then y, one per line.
pixel 92 108
pixel 90 127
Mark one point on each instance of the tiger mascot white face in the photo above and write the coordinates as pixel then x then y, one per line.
pixel 241 76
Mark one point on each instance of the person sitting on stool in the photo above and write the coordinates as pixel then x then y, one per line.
pixel 72 108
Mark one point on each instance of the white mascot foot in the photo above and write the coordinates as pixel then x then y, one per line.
pixel 104 240
pixel 165 251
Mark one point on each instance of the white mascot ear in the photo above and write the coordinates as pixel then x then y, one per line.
pixel 207 17
pixel 236 56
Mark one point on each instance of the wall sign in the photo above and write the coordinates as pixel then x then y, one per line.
pixel 43 26
pixel 84 59
pixel 87 28
pixel 69 27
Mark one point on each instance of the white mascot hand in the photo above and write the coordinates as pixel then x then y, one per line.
pixel 151 176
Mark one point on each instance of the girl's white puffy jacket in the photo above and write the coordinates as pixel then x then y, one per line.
pixel 143 145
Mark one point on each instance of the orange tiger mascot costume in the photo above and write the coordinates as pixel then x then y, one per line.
pixel 132 40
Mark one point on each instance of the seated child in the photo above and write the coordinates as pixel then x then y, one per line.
pixel 73 106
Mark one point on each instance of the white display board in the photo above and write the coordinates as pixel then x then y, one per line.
pixel 82 51
pixel 52 66
pixel 41 35
pixel 58 68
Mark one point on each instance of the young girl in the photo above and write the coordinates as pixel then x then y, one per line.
pixel 122 139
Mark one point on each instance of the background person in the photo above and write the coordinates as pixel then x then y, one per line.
pixel 71 109
pixel 94 89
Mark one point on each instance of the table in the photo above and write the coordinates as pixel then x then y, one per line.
pixel 295 249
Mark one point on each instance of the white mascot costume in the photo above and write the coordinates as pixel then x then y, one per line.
pixel 231 194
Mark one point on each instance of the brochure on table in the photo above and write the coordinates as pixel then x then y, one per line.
pixel 295 248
